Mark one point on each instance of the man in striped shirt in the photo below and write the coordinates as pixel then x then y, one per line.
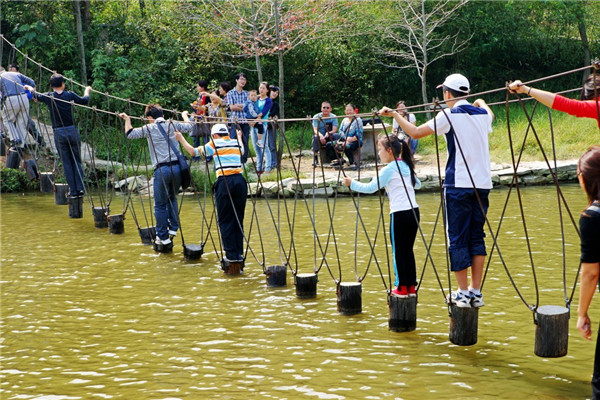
pixel 230 188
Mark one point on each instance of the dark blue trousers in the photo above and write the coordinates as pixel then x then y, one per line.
pixel 230 197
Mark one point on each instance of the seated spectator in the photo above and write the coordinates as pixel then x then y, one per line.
pixel 325 127
pixel 351 134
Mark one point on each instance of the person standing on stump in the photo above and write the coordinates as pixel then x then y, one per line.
pixel 230 187
pixel 66 134
pixel 467 183
pixel 404 210
pixel 588 172
pixel 167 175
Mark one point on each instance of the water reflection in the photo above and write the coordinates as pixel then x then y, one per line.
pixel 86 314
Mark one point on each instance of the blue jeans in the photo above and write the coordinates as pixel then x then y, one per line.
pixel 272 140
pixel 68 144
pixel 414 143
pixel 167 180
pixel 261 154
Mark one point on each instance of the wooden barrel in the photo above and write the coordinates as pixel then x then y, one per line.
pixel 100 217
pixel 551 331
pixel 31 168
pixel 232 267
pixel 13 159
pixel 47 182
pixel 163 248
pixel 349 298
pixel 147 235
pixel 306 285
pixel 60 194
pixel 75 206
pixel 193 252
pixel 463 325
pixel 403 314
pixel 276 275
pixel 115 224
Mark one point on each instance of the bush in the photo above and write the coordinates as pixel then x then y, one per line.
pixel 15 180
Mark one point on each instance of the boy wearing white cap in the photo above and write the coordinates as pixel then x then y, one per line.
pixel 230 187
pixel 467 182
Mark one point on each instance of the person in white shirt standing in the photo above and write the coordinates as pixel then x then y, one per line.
pixel 467 182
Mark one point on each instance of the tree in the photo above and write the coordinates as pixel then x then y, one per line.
pixel 78 26
pixel 416 34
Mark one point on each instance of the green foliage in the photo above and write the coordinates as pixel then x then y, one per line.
pixel 15 180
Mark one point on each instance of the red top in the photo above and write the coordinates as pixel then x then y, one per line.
pixel 587 109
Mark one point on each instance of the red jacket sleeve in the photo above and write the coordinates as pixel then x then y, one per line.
pixel 585 109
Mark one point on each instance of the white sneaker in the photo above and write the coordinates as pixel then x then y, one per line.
pixel 172 232
pixel 476 300
pixel 459 299
pixel 161 241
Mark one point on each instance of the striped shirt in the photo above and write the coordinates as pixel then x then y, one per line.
pixel 227 155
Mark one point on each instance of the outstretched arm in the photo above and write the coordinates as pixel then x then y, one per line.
pixel 544 97
pixel 415 132
pixel 128 125
pixel 188 147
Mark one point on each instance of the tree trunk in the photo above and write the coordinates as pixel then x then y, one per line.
pixel 585 44
pixel 77 13
pixel 425 59
pixel 256 55
pixel 86 15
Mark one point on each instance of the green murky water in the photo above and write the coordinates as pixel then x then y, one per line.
pixel 86 314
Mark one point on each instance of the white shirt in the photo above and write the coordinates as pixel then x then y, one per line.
pixel 466 128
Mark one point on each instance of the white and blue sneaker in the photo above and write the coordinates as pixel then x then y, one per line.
pixel 162 241
pixel 459 299
pixel 172 232
pixel 476 299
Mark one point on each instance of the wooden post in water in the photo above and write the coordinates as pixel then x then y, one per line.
pixel 147 235
pixel 193 252
pixel 349 298
pixel 100 217
pixel 232 267
pixel 551 331
pixel 403 313
pixel 115 224
pixel 47 182
pixel 306 285
pixel 463 325
pixel 13 159
pixel 163 248
pixel 75 206
pixel 60 194
pixel 31 168
pixel 276 275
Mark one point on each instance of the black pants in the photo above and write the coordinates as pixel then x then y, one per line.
pixel 230 198
pixel 403 231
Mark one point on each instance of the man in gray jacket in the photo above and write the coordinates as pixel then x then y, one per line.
pixel 167 176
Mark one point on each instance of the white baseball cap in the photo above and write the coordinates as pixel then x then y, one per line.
pixel 219 129
pixel 456 82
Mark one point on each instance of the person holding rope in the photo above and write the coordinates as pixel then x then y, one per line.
pixel 230 187
pixel 400 181
pixel 66 134
pixel 467 183
pixel 588 172
pixel 587 107
pixel 167 176
pixel 31 128
pixel 15 105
